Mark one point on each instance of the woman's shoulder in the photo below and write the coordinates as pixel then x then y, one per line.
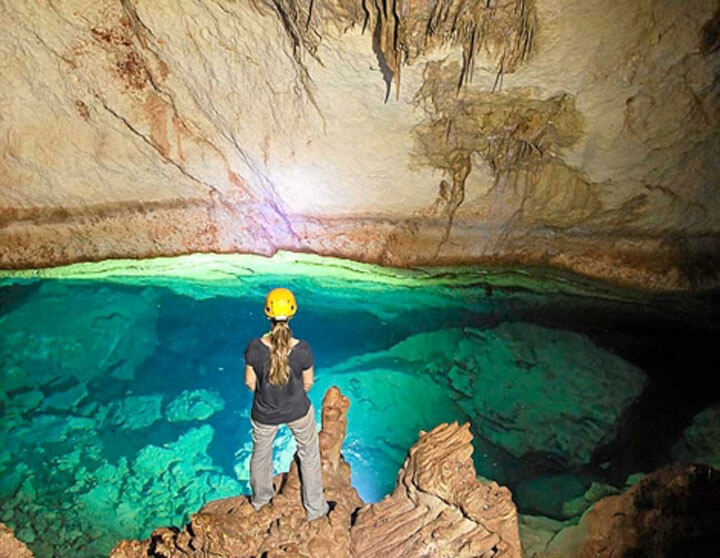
pixel 300 343
pixel 253 344
pixel 302 347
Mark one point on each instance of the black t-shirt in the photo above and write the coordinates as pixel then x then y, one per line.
pixel 278 404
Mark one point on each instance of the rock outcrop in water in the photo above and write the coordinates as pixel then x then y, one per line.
pixel 438 508
pixel 551 132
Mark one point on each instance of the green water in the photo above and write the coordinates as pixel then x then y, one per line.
pixel 123 404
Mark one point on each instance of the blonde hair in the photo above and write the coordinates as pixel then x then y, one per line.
pixel 280 337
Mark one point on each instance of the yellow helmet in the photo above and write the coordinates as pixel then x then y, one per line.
pixel 280 304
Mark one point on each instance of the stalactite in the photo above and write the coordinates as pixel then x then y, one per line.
pixel 403 30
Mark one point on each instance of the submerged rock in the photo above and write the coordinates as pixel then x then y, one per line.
pixel 53 328
pixel 25 401
pixel 536 532
pixel 437 508
pixel 134 412
pixel 198 404
pixel 561 497
pixel 127 496
pixel 526 388
pixel 67 399
pixel 548 495
pixel 596 491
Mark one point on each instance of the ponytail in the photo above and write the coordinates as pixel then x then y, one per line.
pixel 279 353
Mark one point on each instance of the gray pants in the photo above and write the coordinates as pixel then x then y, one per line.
pixel 309 452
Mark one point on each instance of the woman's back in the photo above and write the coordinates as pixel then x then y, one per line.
pixel 277 404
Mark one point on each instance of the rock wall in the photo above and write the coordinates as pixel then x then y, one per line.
pixel 541 132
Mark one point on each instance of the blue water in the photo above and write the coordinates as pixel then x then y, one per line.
pixel 74 459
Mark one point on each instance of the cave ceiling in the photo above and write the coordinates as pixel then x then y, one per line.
pixel 581 135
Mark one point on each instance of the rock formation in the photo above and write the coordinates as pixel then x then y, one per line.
pixel 674 511
pixel 10 547
pixel 438 508
pixel 547 132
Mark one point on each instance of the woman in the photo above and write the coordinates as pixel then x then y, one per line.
pixel 279 370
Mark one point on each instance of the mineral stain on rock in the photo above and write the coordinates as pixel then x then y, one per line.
pixel 517 136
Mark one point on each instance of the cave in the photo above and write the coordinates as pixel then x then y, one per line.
pixel 501 221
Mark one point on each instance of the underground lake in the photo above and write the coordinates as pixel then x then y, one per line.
pixel 122 404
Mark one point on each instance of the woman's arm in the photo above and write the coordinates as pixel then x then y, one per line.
pixel 308 378
pixel 250 377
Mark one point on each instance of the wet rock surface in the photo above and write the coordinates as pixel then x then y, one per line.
pixel 438 508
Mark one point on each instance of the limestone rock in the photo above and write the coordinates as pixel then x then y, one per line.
pixel 548 132
pixel 437 507
pixel 674 511
pixel 10 547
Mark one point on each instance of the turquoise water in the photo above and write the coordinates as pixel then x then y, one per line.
pixel 123 404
